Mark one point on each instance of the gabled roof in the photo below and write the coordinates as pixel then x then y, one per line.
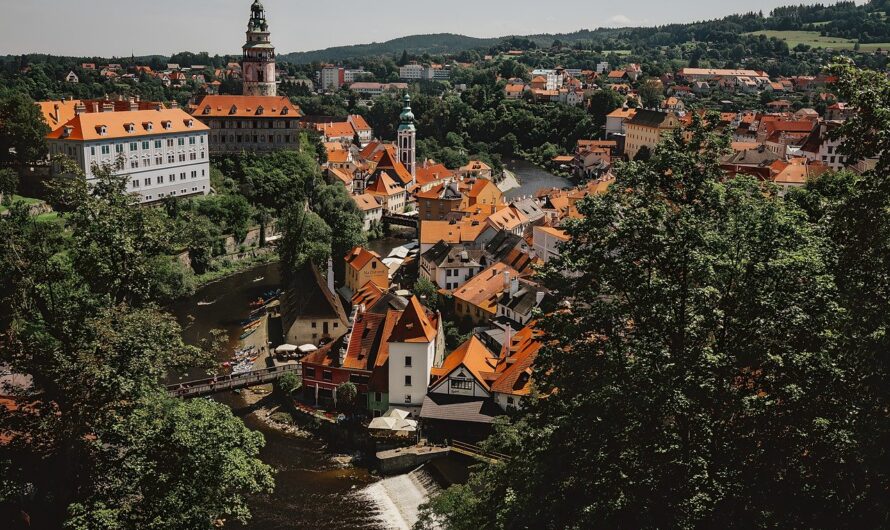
pixel 431 232
pixel 484 289
pixel 650 118
pixel 386 159
pixel 383 184
pixel 431 173
pixel 358 122
pixel 359 257
pixel 413 325
pixel 507 219
pixel 515 368
pixel 336 129
pixel 247 107
pixel 366 202
pixel 367 295
pixel 311 299
pixel 472 356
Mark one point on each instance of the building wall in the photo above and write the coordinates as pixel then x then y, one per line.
pixel 157 165
pixel 372 216
pixel 477 314
pixel 508 402
pixel 311 331
pixel 378 403
pixel 252 134
pixel 455 385
pixel 422 359
pixel 454 277
pixel 436 209
pixel 374 271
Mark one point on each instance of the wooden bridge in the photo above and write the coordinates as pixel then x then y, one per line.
pixel 474 451
pixel 398 219
pixel 214 385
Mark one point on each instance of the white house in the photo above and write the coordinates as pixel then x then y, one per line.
pixel 72 77
pixel 415 347
pixel 546 241
pixel 163 152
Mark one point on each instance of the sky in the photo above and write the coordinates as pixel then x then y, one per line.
pixel 144 27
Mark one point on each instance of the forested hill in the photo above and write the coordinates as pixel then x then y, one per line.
pixel 436 44
pixel 867 23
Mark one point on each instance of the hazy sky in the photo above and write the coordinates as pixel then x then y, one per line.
pixel 122 27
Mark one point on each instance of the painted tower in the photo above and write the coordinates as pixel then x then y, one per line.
pixel 258 66
pixel 407 138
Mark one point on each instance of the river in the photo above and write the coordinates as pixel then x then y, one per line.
pixel 311 489
pixel 533 178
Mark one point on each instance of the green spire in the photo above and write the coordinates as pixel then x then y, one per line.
pixel 407 117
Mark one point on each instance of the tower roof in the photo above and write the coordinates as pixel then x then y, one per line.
pixel 414 326
pixel 407 116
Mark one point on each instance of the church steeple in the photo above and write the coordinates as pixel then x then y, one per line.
pixel 407 138
pixel 258 66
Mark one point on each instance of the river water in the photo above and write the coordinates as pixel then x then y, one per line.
pixel 532 179
pixel 312 491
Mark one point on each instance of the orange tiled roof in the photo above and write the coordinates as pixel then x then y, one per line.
pixel 359 257
pixel 359 123
pixel 247 107
pixel 366 202
pixel 384 185
pixel 336 130
pixel 472 355
pixel 413 325
pixel 484 289
pixel 431 232
pixel 89 126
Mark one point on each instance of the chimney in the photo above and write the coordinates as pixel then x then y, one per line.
pixel 56 112
pixel 331 275
pixel 159 106
pixel 79 108
pixel 95 106
pixel 506 279
pixel 108 107
pixel 133 105
pixel 514 285
pixel 174 105
pixel 539 297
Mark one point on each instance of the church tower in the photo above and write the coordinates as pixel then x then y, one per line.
pixel 407 138
pixel 258 67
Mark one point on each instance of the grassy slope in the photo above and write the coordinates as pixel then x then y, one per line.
pixel 812 38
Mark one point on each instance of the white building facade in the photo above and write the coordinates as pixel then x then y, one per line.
pixel 164 153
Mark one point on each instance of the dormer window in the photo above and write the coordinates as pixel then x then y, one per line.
pixel 131 127
pixel 102 129
pixel 167 124
pixel 207 109
pixel 233 110
pixel 189 123
pixel 148 126
pixel 284 111
pixel 259 110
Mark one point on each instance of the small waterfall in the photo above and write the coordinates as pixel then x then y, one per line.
pixel 398 498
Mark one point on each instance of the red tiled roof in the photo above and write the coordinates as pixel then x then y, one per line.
pixel 413 325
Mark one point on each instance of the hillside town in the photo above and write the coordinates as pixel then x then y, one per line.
pixel 353 266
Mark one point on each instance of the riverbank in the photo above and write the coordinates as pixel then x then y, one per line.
pixel 235 268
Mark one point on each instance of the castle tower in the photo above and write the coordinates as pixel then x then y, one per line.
pixel 258 66
pixel 407 138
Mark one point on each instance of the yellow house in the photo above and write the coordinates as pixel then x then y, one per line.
pixel 646 129
pixel 363 266
pixel 484 192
